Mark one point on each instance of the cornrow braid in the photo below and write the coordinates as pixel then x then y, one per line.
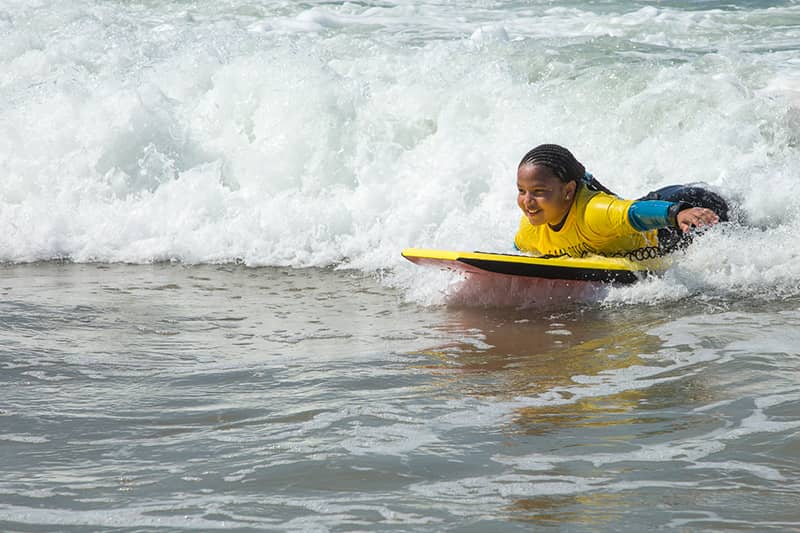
pixel 558 159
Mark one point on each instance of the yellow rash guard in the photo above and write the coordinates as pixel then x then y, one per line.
pixel 597 223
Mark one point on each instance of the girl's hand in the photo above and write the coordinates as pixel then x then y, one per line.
pixel 697 217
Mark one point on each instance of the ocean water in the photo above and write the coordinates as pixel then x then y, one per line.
pixel 206 323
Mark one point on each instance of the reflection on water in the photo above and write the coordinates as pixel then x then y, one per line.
pixel 556 510
pixel 530 353
pixel 581 382
pixel 524 293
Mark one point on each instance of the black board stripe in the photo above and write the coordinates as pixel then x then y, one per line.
pixel 551 272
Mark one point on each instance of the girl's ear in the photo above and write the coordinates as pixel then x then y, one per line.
pixel 570 187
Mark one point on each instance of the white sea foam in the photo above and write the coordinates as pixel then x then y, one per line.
pixel 329 134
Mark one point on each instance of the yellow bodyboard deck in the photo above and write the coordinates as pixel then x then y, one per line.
pixel 593 268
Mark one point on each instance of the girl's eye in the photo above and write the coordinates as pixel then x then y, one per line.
pixel 535 192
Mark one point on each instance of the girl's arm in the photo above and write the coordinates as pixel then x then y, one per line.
pixel 607 214
pixel 645 215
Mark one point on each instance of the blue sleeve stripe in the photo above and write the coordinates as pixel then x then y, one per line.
pixel 649 214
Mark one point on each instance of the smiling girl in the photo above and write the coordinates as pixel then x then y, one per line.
pixel 568 212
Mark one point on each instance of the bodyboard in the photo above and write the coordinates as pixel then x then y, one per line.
pixel 593 268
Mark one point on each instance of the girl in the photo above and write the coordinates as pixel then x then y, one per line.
pixel 568 212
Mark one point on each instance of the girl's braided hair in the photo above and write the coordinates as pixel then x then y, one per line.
pixel 563 164
pixel 558 159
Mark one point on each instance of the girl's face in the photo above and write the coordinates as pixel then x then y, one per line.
pixel 542 196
